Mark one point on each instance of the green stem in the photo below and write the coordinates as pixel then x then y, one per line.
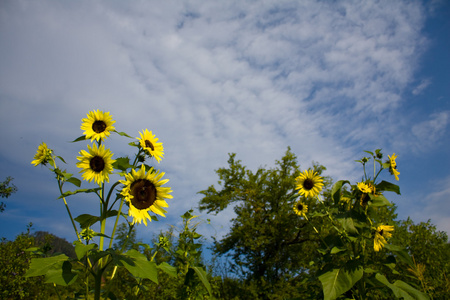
pixel 68 211
pixel 115 224
pixel 98 285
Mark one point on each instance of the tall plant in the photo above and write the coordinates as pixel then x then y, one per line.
pixel 140 187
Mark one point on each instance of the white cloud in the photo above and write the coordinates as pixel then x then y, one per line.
pixel 434 206
pixel 421 87
pixel 431 131
pixel 211 78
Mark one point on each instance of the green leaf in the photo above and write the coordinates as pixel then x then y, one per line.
pixel 122 163
pixel 202 275
pixel 168 269
pixel 122 134
pixel 81 249
pixel 40 266
pixel 69 193
pixel 81 138
pixel 87 220
pixel 379 200
pixel 139 266
pixel 57 269
pixel 401 254
pixel 337 250
pixel 348 225
pixel 338 281
pixel 62 159
pixel 336 190
pixel 74 181
pixel 402 289
pixel 371 153
pixel 387 186
pixel 62 276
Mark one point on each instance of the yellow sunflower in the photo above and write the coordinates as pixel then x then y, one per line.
pixel 96 164
pixel 365 188
pixel 300 208
pixel 43 155
pixel 309 183
pixel 381 234
pixel 393 166
pixel 150 144
pixel 143 191
pixel 98 125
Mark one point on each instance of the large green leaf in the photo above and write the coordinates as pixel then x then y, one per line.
pixel 202 275
pixel 87 220
pixel 57 269
pixel 139 266
pixel 336 190
pixel 387 186
pixel 81 249
pixel 62 276
pixel 338 281
pixel 122 163
pixel 168 269
pixel 401 289
pixel 379 200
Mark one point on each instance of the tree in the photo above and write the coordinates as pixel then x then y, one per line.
pixel 6 190
pixel 430 250
pixel 268 243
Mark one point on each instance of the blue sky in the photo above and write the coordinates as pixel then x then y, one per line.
pixel 327 78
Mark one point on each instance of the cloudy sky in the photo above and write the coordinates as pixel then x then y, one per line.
pixel 327 78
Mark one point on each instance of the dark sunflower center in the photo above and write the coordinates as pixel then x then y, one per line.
pixel 148 144
pixel 308 184
pixel 99 126
pixel 97 164
pixel 300 207
pixel 144 193
pixel 381 232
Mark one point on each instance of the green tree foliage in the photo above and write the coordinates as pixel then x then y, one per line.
pixel 269 245
pixel 14 262
pixel 125 238
pixel 430 250
pixel 6 189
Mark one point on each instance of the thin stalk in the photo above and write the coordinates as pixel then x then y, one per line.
pixel 115 224
pixel 68 211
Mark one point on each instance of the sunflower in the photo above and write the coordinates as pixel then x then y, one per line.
pixel 150 144
pixel 43 155
pixel 300 208
pixel 393 166
pixel 365 188
pixel 96 164
pixel 382 232
pixel 309 183
pixel 97 125
pixel 143 191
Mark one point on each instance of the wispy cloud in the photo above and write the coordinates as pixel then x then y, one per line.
pixel 326 78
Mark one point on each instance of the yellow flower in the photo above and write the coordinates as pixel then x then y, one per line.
pixel 309 183
pixel 150 144
pixel 97 125
pixel 43 155
pixel 393 166
pixel 381 234
pixel 300 208
pixel 365 188
pixel 96 164
pixel 143 191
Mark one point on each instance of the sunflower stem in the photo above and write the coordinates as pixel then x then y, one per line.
pixel 68 210
pixel 115 224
